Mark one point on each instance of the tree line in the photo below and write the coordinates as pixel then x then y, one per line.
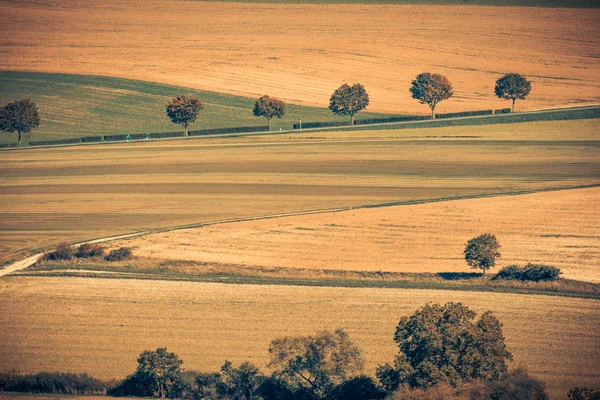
pixel 22 116
pixel 444 352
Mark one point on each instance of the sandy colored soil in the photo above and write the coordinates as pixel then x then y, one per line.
pixel 86 192
pixel 101 325
pixel 302 53
pixel 555 228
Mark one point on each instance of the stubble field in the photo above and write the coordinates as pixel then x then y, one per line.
pixel 553 228
pixel 302 52
pixel 100 326
pixel 84 192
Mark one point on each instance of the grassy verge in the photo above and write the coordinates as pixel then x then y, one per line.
pixel 520 3
pixel 182 270
pixel 73 106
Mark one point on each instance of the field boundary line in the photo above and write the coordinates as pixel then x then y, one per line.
pixel 27 262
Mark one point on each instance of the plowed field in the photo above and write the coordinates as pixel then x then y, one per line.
pixel 302 52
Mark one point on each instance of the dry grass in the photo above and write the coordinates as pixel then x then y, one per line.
pixel 302 52
pixel 79 193
pixel 100 326
pixel 555 228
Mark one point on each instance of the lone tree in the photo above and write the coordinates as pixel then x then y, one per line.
pixel 183 110
pixel 348 100
pixel 161 368
pixel 20 116
pixel 481 252
pixel 512 87
pixel 430 89
pixel 316 364
pixel 444 344
pixel 269 107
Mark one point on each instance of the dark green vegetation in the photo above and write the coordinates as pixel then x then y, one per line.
pixel 348 100
pixel 20 116
pixel 431 89
pixel 530 272
pixel 52 382
pixel 481 252
pixel 73 106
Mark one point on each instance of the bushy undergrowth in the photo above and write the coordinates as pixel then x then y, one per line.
pixel 119 254
pixel 88 250
pixel 52 382
pixel 63 251
pixel 530 272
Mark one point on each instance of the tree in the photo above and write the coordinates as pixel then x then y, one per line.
pixel 317 363
pixel 430 89
pixel 358 388
pixel 183 110
pixel 581 393
pixel 512 87
pixel 161 368
pixel 269 107
pixel 241 383
pixel 20 116
pixel 443 344
pixel 481 252
pixel 348 100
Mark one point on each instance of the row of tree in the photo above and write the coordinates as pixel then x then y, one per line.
pixel 22 115
pixel 440 346
pixel 427 88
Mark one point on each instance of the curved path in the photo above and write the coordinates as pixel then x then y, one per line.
pixel 27 262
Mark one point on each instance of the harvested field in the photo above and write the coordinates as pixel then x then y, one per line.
pixel 79 193
pixel 100 326
pixel 556 228
pixel 302 52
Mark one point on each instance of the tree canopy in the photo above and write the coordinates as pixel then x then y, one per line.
pixel 512 87
pixel 161 368
pixel 430 89
pixel 269 107
pixel 20 116
pixel 444 344
pixel 317 363
pixel 183 110
pixel 481 252
pixel 348 100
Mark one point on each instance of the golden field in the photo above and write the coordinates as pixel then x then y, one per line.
pixel 100 326
pixel 84 192
pixel 554 228
pixel 303 52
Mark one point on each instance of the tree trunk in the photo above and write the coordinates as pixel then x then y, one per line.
pixel 269 124
pixel 352 119
pixel 19 140
pixel 433 113
pixel 513 106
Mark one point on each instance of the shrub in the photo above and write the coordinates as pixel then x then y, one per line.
pixel 120 254
pixel 578 393
pixel 62 251
pixel 358 388
pixel 530 272
pixel 52 382
pixel 88 250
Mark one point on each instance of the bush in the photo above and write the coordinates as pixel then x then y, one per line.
pixel 52 382
pixel 358 388
pixel 88 250
pixel 530 272
pixel 578 393
pixel 62 251
pixel 120 254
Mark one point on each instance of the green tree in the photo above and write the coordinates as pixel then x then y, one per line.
pixel 20 116
pixel 430 89
pixel 161 368
pixel 348 100
pixel 241 383
pixel 581 393
pixel 512 87
pixel 183 110
pixel 269 107
pixel 316 364
pixel 443 344
pixel 481 252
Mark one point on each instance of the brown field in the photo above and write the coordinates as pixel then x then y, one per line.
pixel 100 326
pixel 85 192
pixel 555 228
pixel 302 52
